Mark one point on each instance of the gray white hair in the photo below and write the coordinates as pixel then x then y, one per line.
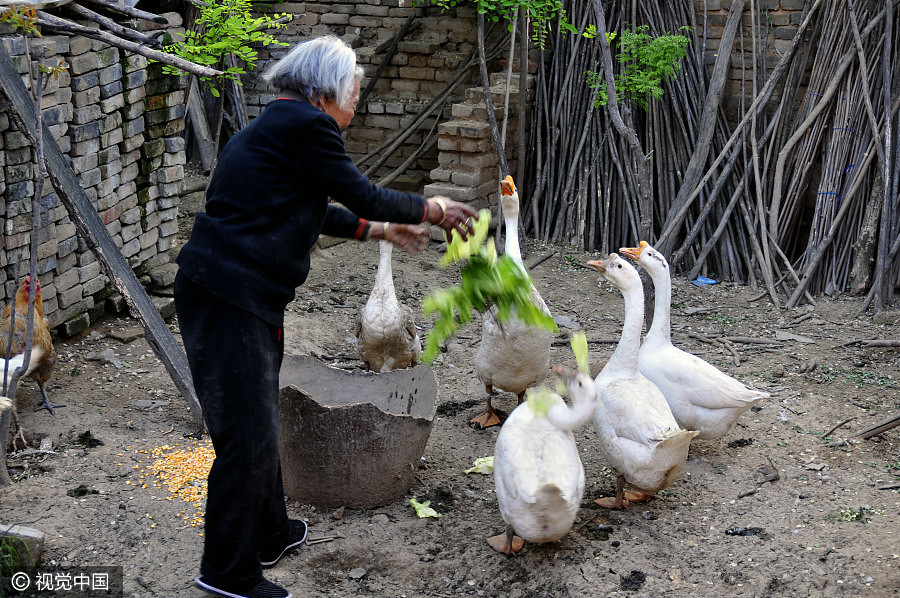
pixel 320 68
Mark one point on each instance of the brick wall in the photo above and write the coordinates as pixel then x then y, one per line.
pixel 425 59
pixel 119 122
pixel 781 18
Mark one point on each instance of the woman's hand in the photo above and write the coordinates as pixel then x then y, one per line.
pixel 450 215
pixel 411 238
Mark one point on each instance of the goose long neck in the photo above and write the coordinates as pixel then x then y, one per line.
pixel 384 276
pixel 660 329
pixel 572 418
pixel 511 246
pixel 625 356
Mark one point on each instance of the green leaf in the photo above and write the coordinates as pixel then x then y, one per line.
pixel 647 63
pixel 458 249
pixel 423 509
pixel 580 349
pixel 540 399
pixel 483 465
pixel 485 281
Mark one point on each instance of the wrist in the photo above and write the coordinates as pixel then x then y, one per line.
pixel 433 215
pixel 377 231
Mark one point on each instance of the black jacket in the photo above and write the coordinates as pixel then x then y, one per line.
pixel 267 203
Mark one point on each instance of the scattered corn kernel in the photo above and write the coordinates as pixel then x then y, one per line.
pixel 181 472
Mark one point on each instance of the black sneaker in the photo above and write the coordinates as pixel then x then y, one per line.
pixel 262 589
pixel 296 536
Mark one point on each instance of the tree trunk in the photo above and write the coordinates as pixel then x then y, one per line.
pixel 867 243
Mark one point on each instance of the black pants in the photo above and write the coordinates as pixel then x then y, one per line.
pixel 235 358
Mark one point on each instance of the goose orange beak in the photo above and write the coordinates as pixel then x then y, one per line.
pixel 507 186
pixel 602 265
pixel 634 252
pixel 564 373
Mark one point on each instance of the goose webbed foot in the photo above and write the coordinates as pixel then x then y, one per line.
pixel 636 496
pixel 619 502
pixel 507 543
pixel 486 418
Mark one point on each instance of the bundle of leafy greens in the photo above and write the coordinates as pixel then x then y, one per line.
pixel 580 349
pixel 486 280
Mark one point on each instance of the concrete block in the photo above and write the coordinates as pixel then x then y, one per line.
pixel 90 178
pixel 133 62
pixel 116 304
pixel 79 45
pixel 174 159
pixel 165 305
pixel 168 189
pixel 93 286
pixel 149 238
pixel 174 144
pixel 170 174
pixel 74 325
pixel 134 79
pixel 86 114
pixel 111 89
pixel 83 148
pixel 132 111
pixel 83 63
pixel 107 56
pixel 111 103
pixel 70 296
pixel 86 97
pixel 23 545
pixel 111 138
pixel 66 280
pixel 110 122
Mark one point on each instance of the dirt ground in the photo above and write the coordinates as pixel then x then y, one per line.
pixel 773 509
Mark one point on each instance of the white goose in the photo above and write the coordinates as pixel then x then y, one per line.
pixel 638 434
pixel 538 474
pixel 386 334
pixel 701 397
pixel 512 356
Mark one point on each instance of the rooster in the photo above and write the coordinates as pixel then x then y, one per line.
pixel 43 355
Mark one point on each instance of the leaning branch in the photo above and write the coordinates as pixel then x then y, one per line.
pixel 62 25
pixel 135 36
pixel 124 9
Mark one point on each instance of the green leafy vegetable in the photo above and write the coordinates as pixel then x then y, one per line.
pixel 458 250
pixel 580 349
pixel 423 509
pixel 486 281
pixel 540 400
pixel 483 465
pixel 561 389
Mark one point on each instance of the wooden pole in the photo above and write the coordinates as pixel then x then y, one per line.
pixel 488 103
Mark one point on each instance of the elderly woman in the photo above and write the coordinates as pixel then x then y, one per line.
pixel 266 205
